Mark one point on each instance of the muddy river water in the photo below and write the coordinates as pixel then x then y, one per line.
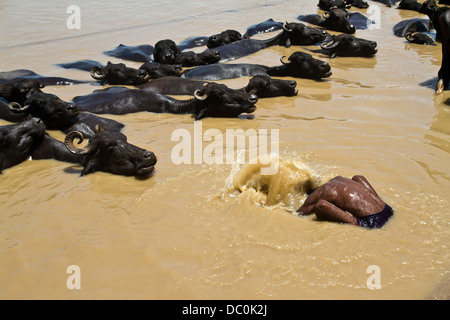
pixel 224 231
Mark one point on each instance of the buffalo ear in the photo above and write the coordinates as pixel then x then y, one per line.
pixel 88 168
pixel 4 139
pixel 203 113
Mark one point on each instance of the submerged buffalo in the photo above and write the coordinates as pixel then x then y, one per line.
pixel 21 74
pixel 213 100
pixel 345 45
pixel 262 86
pixel 141 53
pixel 17 141
pixel 336 20
pixel 440 18
pixel 119 74
pixel 157 70
pixel 107 151
pixel 301 65
pixel 225 37
pixel 19 91
pixel 292 34
pixel 192 59
pixel 55 114
pixel 419 38
pixel 166 51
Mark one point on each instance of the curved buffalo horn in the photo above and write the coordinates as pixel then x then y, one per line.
pixel 329 45
pixel 326 15
pixel 68 141
pixel 283 60
pixel 16 107
pixel 285 27
pixel 199 96
pixel 97 73
pixel 409 36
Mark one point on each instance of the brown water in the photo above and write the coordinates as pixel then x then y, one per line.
pixel 199 231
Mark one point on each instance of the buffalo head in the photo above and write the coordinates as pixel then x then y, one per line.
pixel 165 51
pixel 302 35
pixel 17 141
pixel 264 86
pixel 337 19
pixel 225 37
pixel 217 100
pixel 109 151
pixel 345 45
pixel 119 74
pixel 301 65
pixel 192 59
pixel 20 90
pixel 157 70
pixel 54 112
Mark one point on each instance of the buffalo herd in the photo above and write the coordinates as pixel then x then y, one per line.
pixel 171 69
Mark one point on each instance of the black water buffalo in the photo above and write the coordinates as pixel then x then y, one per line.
pixel 345 45
pixel 192 59
pixel 358 3
pixel 301 65
pixel 165 51
pixel 292 34
pixel 222 71
pixel 413 25
pixel 261 85
pixel 440 18
pixel 157 70
pixel 266 26
pixel 336 20
pixel 107 151
pixel 212 100
pixel 55 114
pixel 21 74
pixel 119 74
pixel 266 87
pixel 141 53
pixel 225 37
pixel 419 38
pixel 413 5
pixel 17 141
pixel 327 5
pixel 19 91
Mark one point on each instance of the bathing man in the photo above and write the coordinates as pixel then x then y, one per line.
pixel 346 200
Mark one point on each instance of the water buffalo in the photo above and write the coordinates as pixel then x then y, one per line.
pixel 358 3
pixel 19 91
pixel 192 59
pixel 17 141
pixel 301 65
pixel 222 71
pixel 327 5
pixel 212 100
pixel 336 20
pixel 119 74
pixel 141 53
pixel 55 114
pixel 419 38
pixel 292 34
pixel 21 74
pixel 225 37
pixel 165 51
pixel 413 5
pixel 266 87
pixel 413 25
pixel 345 45
pixel 157 70
pixel 266 26
pixel 261 85
pixel 440 18
pixel 107 151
